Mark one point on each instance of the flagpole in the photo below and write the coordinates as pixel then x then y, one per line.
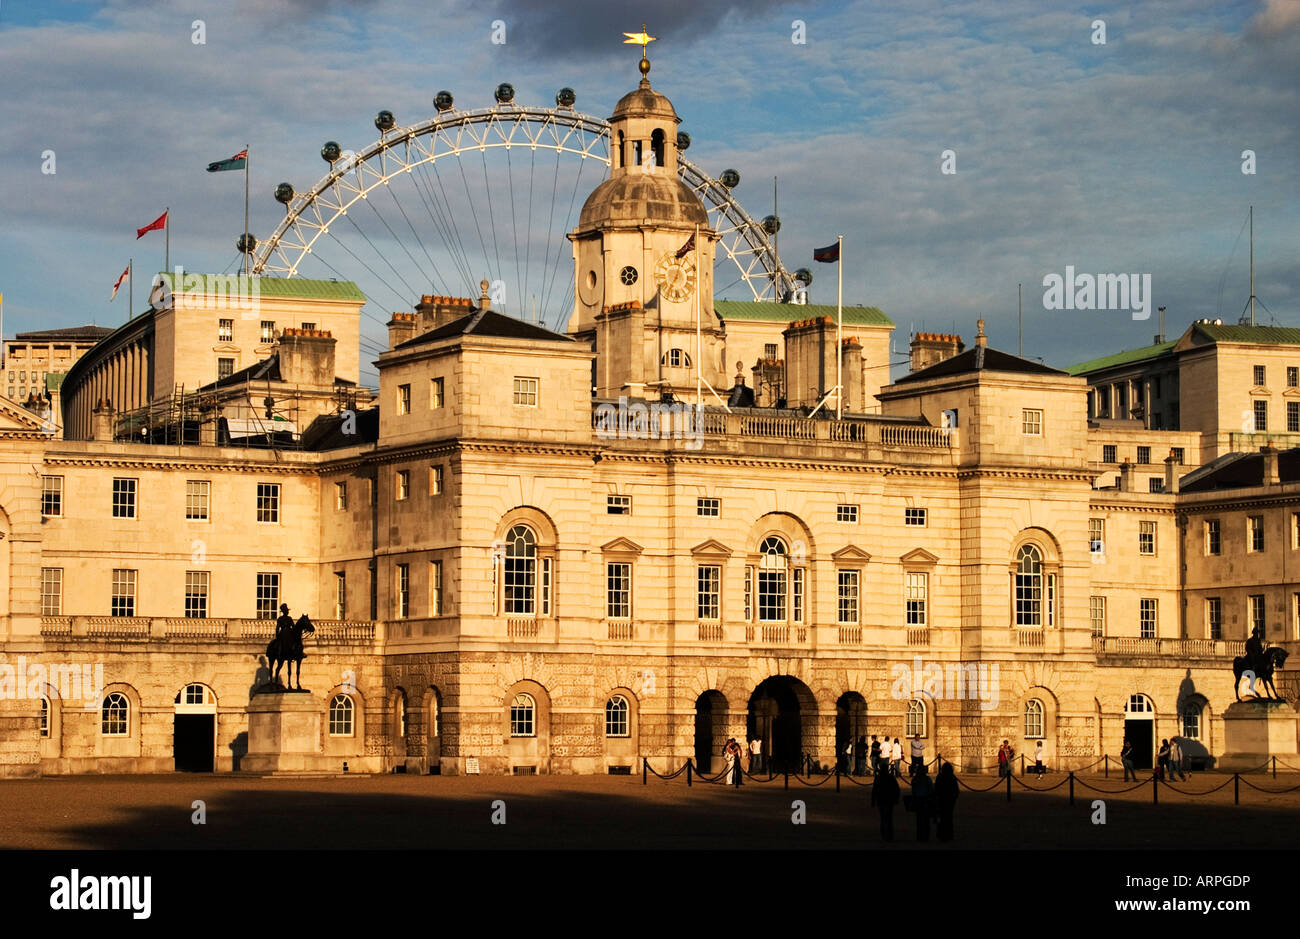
pixel 246 210
pixel 130 288
pixel 167 234
pixel 699 285
pixel 839 319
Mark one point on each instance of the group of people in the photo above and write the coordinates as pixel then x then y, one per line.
pixel 929 800
pixel 1169 761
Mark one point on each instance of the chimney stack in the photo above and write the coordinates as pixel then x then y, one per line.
pixel 1271 477
pixel 932 348
pixel 1126 476
pixel 307 357
pixel 401 328
pixel 102 420
pixel 1171 472
pixel 435 311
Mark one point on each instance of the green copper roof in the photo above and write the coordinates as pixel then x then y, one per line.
pixel 299 288
pixel 1263 335
pixel 54 380
pixel 792 312
pixel 1122 358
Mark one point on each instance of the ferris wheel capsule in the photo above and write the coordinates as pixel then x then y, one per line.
pixel 771 224
pixel 385 121
pixel 730 179
pixel 505 93
pixel 804 276
pixel 330 152
pixel 284 193
pixel 565 97
pixel 443 101
pixel 683 140
pixel 246 244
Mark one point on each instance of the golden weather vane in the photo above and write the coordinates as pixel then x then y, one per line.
pixel 641 39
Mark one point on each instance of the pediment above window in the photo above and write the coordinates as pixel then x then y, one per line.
pixel 918 556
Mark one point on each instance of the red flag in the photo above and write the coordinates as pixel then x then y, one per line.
pixel 828 254
pixel 159 222
pixel 686 248
pixel 119 282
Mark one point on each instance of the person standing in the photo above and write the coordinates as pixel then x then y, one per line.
pixel 922 801
pixel 1004 759
pixel 918 755
pixel 1126 757
pixel 860 757
pixel 1038 758
pixel 896 757
pixel 1162 771
pixel 875 755
pixel 945 794
pixel 733 761
pixel 884 796
pixel 755 756
pixel 728 758
pixel 1176 760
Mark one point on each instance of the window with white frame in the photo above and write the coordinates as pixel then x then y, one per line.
pixel 708 508
pixel 916 589
pixel 847 514
pixel 749 593
pixel 1259 373
pixel 51 591
pixel 1031 422
pixel 45 716
pixel 340 595
pixel 525 392
pixel 769 350
pixel 1213 536
pixel 618 505
pixel 1261 416
pixel 1108 454
pixel 1029 586
pixel 1254 533
pixel 618 590
pixel 435 588
pixel 404 399
pixel 123 599
pixel 1146 538
pixel 708 595
pixel 1255 606
pixel 676 358
pixel 403 591
pixel 523 711
pixel 196 594
pixel 225 330
pixel 340 496
pixel 521 571
pixel 340 716
pixel 847 582
pixel 914 516
pixel 773 580
pixel 435 480
pixel 1214 617
pixel 51 496
pixel 1034 719
pixel 1097 535
pixel 916 718
pixel 268 594
pixel 1292 376
pixel 1147 607
pixel 124 498
pixel 225 367
pixel 796 594
pixel 1097 615
pixel 1293 417
pixel 1191 720
pixel 198 494
pixel 268 331
pixel 617 712
pixel 402 487
pixel 268 502
pixel 435 393
pixel 115 715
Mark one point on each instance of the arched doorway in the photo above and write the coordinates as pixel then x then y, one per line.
pixel 194 729
pixel 433 730
pixel 850 724
pixel 1140 729
pixel 778 709
pixel 710 729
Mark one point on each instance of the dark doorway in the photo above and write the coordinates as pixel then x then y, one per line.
pixel 1139 733
pixel 850 724
pixel 710 729
pixel 192 742
pixel 774 718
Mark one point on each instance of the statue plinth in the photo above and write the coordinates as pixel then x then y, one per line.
pixel 1256 731
pixel 284 735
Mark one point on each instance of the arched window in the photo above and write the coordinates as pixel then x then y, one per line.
pixel 618 153
pixel 45 716
pixel 657 146
pixel 1034 719
pixel 193 694
pixel 616 717
pixel 1139 704
pixel 915 717
pixel 341 716
pixel 773 578
pixel 1029 586
pixel 401 716
pixel 523 711
pixel 115 716
pixel 676 358
pixel 1192 720
pixel 521 571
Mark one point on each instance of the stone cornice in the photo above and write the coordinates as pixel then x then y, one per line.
pixel 172 463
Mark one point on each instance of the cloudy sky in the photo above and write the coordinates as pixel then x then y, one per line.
pixel 1122 157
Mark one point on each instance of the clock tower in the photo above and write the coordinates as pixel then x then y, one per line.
pixel 643 262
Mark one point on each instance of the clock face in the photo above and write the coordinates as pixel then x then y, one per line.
pixel 676 277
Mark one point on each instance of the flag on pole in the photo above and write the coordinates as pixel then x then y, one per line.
pixel 124 276
pixel 829 254
pixel 236 162
pixel 686 248
pixel 159 222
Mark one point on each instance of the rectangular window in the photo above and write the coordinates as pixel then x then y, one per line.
pixel 1147 618
pixel 797 596
pixel 268 595
pixel 1097 615
pixel 1179 455
pixel 1155 484
pixel 1214 617
pixel 52 496
pixel 196 594
pixel 435 480
pixel 1261 416
pixel 1146 537
pixel 847 514
pixel 340 595
pixel 268 502
pixel 403 399
pixel 1255 533
pixel 197 493
pixel 435 393
pixel 708 594
pixel 1295 530
pixel 124 498
pixel 618 505
pixel 769 350
pixel 847 597
pixel 1293 417
pixel 1031 422
pixel 123 602
pixel 525 392
pixel 546 587
pixel 268 331
pixel 749 593
pixel 340 496
pixel 1259 376
pixel 708 508
pixel 1256 606
pixel 403 591
pixel 1097 535
pixel 1213 536
pixel 402 489
pixel 225 367
pixel 225 330
pixel 914 516
pixel 915 595
pixel 1108 454
pixel 618 585
pixel 308 325
pixel 1144 454
pixel 51 591
pixel 1292 376
pixel 435 588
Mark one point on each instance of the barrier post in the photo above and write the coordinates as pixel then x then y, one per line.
pixel 837 777
pixel 1071 787
pixel 688 773
pixel 1008 787
pixel 1106 764
pixel 1022 766
pixel 644 761
pixel 1155 788
pixel 1236 789
pixel 1275 767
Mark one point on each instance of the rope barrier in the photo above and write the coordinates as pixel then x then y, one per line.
pixel 1191 792
pixel 1024 785
pixel 1272 791
pixel 971 788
